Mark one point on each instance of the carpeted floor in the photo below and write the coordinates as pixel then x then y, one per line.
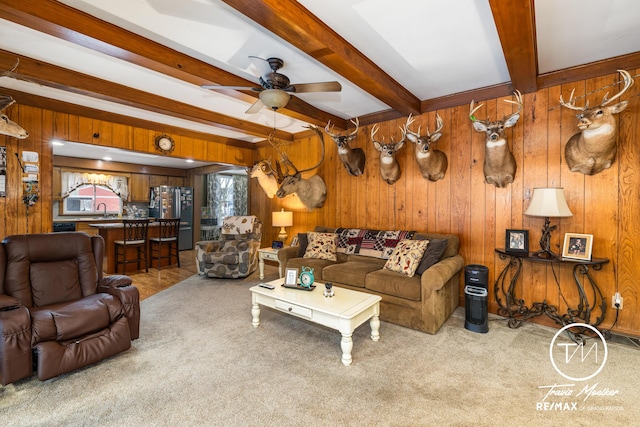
pixel 200 362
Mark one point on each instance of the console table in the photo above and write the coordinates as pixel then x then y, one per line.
pixel 515 308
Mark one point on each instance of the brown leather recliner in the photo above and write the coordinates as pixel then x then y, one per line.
pixel 56 306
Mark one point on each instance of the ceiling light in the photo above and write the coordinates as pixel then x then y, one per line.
pixel 107 158
pixel 56 142
pixel 189 160
pixel 274 98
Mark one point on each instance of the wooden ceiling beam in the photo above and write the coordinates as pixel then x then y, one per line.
pixel 291 21
pixel 515 23
pixel 60 78
pixel 24 98
pixel 59 20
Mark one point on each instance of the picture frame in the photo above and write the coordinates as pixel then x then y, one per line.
pixel 516 241
pixel 294 240
pixel 291 277
pixel 277 244
pixel 577 246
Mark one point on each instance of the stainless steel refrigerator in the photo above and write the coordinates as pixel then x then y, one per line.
pixel 174 202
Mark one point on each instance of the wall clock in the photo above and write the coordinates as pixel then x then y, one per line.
pixel 165 144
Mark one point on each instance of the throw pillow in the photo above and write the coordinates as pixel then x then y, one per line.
pixel 432 254
pixel 321 246
pixel 406 256
pixel 303 241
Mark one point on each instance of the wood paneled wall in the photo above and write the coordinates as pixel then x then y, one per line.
pixel 606 205
pixel 45 125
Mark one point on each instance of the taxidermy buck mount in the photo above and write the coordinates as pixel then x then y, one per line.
pixel 432 163
pixel 594 148
pixel 389 166
pixel 353 159
pixel 499 163
pixel 312 191
pixel 8 127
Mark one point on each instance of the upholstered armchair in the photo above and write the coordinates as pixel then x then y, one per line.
pixel 57 308
pixel 235 254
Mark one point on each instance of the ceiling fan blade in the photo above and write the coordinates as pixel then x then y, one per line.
pixel 221 87
pixel 255 107
pixel 315 87
pixel 260 67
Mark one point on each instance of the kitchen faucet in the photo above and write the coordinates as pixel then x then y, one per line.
pixel 105 208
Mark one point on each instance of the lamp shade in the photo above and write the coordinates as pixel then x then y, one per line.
pixel 548 202
pixel 274 98
pixel 282 219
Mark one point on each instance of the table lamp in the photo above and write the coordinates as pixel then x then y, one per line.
pixel 547 202
pixel 282 219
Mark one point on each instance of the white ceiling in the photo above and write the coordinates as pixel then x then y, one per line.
pixel 431 48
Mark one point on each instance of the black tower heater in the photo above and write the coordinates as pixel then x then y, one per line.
pixel 476 278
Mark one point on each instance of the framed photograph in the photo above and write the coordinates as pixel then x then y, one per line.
pixel 277 244
pixel 291 277
pixel 517 241
pixel 294 240
pixel 577 246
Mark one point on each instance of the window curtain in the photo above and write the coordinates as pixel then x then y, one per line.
pixel 73 180
pixel 227 195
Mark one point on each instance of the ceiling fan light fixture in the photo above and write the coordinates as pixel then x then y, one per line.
pixel 274 98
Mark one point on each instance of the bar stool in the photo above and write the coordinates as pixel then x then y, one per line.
pixel 135 236
pixel 168 236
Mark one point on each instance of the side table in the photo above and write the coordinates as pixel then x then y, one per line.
pixel 517 311
pixel 271 255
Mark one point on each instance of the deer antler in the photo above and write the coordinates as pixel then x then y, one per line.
pixel 329 129
pixel 473 110
pixel 572 103
pixel 628 82
pixel 518 102
pixel 321 136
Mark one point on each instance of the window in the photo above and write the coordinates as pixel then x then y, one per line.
pixel 92 199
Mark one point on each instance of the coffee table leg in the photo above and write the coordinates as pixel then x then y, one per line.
pixel 255 315
pixel 375 327
pixel 347 345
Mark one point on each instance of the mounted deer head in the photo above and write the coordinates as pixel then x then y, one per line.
pixel 433 163
pixel 312 191
pixel 594 148
pixel 353 159
pixel 8 127
pixel 389 166
pixel 499 163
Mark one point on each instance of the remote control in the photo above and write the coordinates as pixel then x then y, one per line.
pixel 266 285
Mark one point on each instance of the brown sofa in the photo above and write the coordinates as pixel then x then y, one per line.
pixel 422 302
pixel 56 307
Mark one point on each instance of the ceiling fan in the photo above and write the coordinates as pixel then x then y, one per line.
pixel 276 90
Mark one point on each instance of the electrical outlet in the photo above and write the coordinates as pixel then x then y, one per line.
pixel 616 301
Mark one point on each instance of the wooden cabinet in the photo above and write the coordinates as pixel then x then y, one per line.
pixel 139 188
pixel 84 226
pixel 57 183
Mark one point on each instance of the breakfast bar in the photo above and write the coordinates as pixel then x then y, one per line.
pixel 112 231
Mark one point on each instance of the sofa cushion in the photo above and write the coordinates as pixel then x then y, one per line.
pixel 321 246
pixel 303 242
pixel 228 258
pixel 373 243
pixel 406 256
pixel 351 272
pixel 433 254
pixel 389 282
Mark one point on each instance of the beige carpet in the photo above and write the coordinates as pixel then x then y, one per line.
pixel 200 362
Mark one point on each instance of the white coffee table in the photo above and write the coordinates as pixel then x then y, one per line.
pixel 344 312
